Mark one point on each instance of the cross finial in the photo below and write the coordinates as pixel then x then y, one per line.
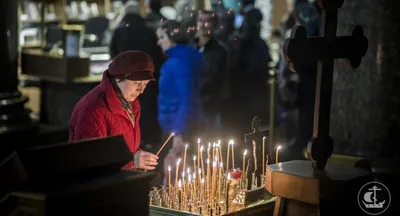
pixel 255 124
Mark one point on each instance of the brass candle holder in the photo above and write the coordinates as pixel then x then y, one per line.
pixel 213 191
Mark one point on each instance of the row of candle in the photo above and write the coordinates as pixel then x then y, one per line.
pixel 211 190
pixel 193 200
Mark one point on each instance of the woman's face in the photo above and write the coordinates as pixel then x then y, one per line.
pixel 163 40
pixel 132 89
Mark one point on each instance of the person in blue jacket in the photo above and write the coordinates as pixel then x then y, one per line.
pixel 179 102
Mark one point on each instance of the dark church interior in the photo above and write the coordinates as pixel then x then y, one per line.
pixel 199 107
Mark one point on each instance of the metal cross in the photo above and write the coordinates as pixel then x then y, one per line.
pixel 301 51
pixel 255 139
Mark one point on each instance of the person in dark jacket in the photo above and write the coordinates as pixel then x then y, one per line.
pixel 179 102
pixel 250 74
pixel 213 70
pixel 132 34
pixel 112 108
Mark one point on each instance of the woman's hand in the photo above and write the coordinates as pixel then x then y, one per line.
pixel 145 160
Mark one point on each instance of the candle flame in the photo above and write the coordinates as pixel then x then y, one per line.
pixel 221 164
pixel 189 178
pixel 186 145
pixel 172 134
pixel 208 160
pixel 231 142
pixel 169 168
pixel 214 164
pixel 194 176
pixel 188 170
pixel 245 152
pixel 194 157
pixel 199 171
pixel 201 148
pixel 177 163
pixel 219 142
pixel 179 184
pixel 183 174
pixel 215 158
pixel 278 148
pixel 198 140
pixel 214 145
pixel 202 180
pixel 229 176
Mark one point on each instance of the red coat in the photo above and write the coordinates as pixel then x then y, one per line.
pixel 100 114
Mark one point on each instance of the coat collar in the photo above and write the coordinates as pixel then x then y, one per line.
pixel 112 101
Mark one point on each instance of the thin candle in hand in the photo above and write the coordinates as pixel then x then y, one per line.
pixel 165 143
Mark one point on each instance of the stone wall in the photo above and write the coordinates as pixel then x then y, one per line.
pixel 365 115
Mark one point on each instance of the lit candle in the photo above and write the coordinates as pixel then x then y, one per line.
pixel 213 182
pixel 189 190
pixel 277 154
pixel 208 150
pixel 233 156
pixel 228 181
pixel 176 172
pixel 200 176
pixel 194 163
pixel 201 159
pixel 208 180
pixel 183 182
pixel 202 189
pixel 219 182
pixel 184 161
pixel 194 184
pixel 213 150
pixel 198 153
pixel 263 155
pixel 179 195
pixel 220 150
pixel 244 161
pixel 227 155
pixel 169 181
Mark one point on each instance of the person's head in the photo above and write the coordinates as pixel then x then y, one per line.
pixel 207 22
pixel 244 3
pixel 170 33
pixel 132 7
pixel 132 71
pixel 307 14
pixel 153 5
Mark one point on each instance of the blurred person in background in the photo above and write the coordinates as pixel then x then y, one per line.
pixel 297 89
pixel 153 16
pixel 249 75
pixel 179 102
pixel 213 70
pixel 133 34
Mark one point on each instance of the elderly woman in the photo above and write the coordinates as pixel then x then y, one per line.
pixel 112 107
pixel 179 103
